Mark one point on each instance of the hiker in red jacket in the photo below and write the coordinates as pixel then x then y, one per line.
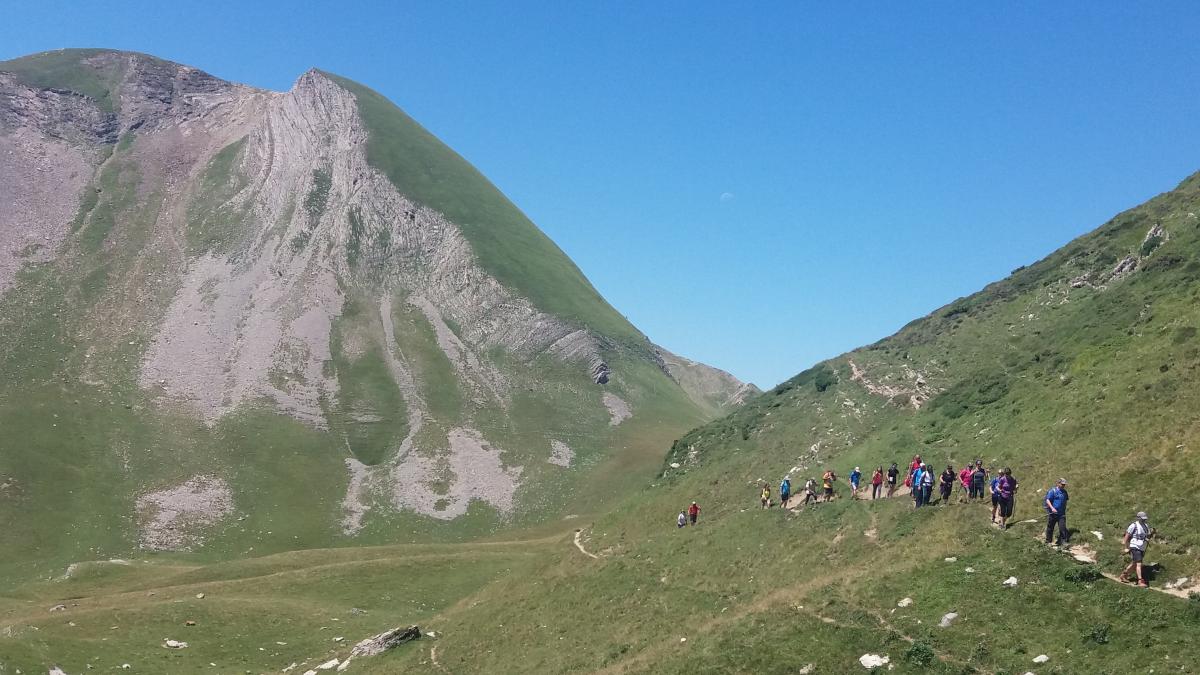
pixel 912 473
pixel 693 512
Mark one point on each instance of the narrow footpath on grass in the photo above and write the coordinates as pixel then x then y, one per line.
pixel 579 545
pixel 1082 553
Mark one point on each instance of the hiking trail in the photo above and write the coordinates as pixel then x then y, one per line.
pixel 579 545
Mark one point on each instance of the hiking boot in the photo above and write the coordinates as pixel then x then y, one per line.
pixel 1142 583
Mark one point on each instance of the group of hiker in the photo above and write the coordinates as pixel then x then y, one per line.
pixel 691 513
pixel 974 483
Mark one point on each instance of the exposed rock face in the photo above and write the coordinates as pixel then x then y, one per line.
pixel 239 251
pixel 385 641
pixel 707 386
pixel 909 389
pixel 175 518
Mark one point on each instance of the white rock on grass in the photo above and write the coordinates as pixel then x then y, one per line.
pixel 952 559
pixel 1178 583
pixel 947 619
pixel 806 669
pixel 329 665
pixel 873 661
pixel 174 644
pixel 1041 658
pixel 1098 535
pixel 1010 582
pixel 970 570
pixel 905 602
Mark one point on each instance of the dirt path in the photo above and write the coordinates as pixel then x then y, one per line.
pixel 579 545
pixel 434 660
pixel 1084 554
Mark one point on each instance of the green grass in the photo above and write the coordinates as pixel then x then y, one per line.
pixel 508 245
pixel 318 195
pixel 370 413
pixel 114 196
pixel 121 614
pixel 214 223
pixel 65 70
pixel 1094 388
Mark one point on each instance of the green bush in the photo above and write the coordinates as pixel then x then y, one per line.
pixel 1150 244
pixel 920 654
pixel 1097 634
pixel 1083 575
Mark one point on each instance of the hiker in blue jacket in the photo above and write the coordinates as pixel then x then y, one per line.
pixel 918 481
pixel 1056 513
pixel 785 491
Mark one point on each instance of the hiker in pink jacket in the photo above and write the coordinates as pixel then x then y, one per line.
pixel 964 479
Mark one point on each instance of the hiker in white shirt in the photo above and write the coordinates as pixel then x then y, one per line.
pixel 1136 535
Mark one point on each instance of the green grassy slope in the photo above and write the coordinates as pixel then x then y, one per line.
pixel 66 69
pixel 508 245
pixel 82 440
pixel 1093 383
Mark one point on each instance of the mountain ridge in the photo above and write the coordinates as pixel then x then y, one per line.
pixel 215 254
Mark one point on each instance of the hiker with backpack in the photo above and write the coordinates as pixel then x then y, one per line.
pixel 911 481
pixel 1137 535
pixel 1008 496
pixel 978 480
pixel 785 491
pixel 947 483
pixel 681 521
pixel 918 484
pixel 1056 513
pixel 828 480
pixel 876 483
pixel 855 479
pixel 693 512
pixel 893 475
pixel 810 491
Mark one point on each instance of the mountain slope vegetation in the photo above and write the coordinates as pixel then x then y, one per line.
pixel 237 322
pixel 1081 365
pixel 1076 366
pixel 1056 371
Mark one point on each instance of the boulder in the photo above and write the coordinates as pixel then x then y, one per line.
pixel 385 641
pixel 873 661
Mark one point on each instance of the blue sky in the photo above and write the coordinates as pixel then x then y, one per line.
pixel 755 185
